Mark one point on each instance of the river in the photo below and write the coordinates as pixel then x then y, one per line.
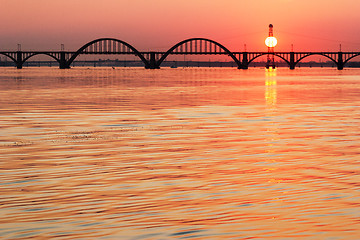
pixel 194 153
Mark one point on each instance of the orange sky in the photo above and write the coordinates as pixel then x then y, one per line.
pixel 316 25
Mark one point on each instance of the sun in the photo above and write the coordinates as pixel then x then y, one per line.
pixel 271 41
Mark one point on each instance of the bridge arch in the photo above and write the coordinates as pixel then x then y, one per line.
pixel 113 40
pixel 263 54
pixel 13 59
pixel 34 54
pixel 313 54
pixel 347 60
pixel 227 51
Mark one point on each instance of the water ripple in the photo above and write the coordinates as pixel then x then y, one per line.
pixel 215 154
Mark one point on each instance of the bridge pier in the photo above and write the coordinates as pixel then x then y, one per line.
pixel 245 61
pixel 153 63
pixel 292 61
pixel 63 63
pixel 19 61
pixel 340 62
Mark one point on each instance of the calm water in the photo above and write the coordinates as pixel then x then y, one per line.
pixel 179 154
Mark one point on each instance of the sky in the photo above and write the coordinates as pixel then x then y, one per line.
pixel 310 25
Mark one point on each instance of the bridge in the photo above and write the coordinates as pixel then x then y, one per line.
pixel 154 59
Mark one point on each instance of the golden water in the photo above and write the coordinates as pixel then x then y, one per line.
pixel 179 154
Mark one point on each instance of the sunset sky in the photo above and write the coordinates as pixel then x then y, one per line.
pixel 314 25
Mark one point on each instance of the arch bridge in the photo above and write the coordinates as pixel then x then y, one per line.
pixel 293 58
pixel 20 57
pixel 154 59
pixel 195 46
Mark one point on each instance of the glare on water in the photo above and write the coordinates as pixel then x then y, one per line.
pixel 179 153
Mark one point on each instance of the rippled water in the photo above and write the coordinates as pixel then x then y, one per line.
pixel 179 153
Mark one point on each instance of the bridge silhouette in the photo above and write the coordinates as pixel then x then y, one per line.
pixel 154 59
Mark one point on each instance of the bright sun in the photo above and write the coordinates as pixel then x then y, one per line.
pixel 271 41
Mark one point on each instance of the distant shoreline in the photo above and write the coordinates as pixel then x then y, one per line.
pixel 174 64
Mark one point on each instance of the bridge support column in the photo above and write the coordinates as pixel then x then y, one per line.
pixel 153 62
pixel 245 61
pixel 63 63
pixel 340 63
pixel 19 61
pixel 292 60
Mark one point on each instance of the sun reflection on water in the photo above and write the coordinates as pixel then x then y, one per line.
pixel 270 87
pixel 272 128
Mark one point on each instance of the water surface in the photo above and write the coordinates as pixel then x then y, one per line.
pixel 179 153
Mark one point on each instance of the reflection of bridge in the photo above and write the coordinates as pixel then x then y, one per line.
pixel 192 46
